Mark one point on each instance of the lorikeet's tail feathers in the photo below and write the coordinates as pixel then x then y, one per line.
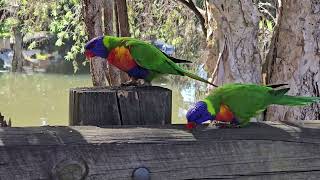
pixel 193 76
pixel 280 92
pixel 276 85
pixel 176 60
pixel 295 100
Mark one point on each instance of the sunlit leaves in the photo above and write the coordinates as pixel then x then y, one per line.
pixel 169 21
pixel 68 25
pixel 59 42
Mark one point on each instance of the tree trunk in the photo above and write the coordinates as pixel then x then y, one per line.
pixel 114 76
pixel 123 18
pixel 17 60
pixel 212 48
pixel 295 58
pixel 116 19
pixel 93 21
pixel 237 39
pixel 123 27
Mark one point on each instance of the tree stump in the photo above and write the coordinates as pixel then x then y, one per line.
pixel 101 106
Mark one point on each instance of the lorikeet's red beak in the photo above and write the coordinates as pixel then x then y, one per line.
pixel 89 54
pixel 191 125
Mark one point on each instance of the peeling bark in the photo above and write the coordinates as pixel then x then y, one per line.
pixel 93 21
pixel 237 40
pixel 212 48
pixel 295 58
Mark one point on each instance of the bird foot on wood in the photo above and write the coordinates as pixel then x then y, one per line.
pixel 223 125
pixel 130 83
pixel 139 82
pixel 145 83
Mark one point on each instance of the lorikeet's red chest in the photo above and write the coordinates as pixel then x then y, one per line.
pixel 121 58
pixel 225 114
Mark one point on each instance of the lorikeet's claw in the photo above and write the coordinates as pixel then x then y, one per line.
pixel 233 124
pixel 212 124
pixel 131 82
pixel 145 83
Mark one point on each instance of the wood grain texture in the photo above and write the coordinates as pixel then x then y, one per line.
pixel 101 106
pixel 260 151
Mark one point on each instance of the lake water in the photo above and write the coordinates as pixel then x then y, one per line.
pixel 43 99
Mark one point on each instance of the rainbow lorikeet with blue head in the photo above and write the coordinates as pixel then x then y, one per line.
pixel 140 59
pixel 233 105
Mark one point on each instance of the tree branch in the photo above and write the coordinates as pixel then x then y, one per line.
pixel 197 12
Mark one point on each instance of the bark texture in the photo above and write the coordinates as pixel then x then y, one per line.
pixel 212 49
pixel 295 57
pixel 123 18
pixel 237 41
pixel 17 60
pixel 112 73
pixel 93 21
pixel 123 28
pixel 132 105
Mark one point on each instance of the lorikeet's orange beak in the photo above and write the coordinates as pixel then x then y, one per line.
pixel 89 54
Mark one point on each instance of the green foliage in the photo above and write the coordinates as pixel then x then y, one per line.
pixel 169 21
pixel 266 24
pixel 62 18
pixel 68 25
pixel 5 27
pixel 40 56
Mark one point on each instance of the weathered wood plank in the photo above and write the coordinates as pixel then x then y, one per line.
pixel 131 105
pixel 260 151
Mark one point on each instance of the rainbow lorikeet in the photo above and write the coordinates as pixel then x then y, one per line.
pixel 234 104
pixel 140 59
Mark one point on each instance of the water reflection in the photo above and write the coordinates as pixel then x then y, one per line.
pixel 42 99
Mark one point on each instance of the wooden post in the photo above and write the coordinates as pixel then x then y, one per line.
pixel 101 106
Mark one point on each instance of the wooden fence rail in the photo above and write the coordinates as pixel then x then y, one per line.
pixel 260 151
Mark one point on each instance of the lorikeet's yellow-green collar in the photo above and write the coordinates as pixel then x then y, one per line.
pixel 210 107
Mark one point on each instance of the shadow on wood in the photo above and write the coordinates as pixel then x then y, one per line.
pixel 101 106
pixel 259 151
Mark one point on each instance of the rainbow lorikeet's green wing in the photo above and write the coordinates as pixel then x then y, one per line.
pixel 237 103
pixel 151 58
pixel 243 100
pixel 139 59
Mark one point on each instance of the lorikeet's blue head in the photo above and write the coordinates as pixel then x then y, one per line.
pixel 198 114
pixel 95 47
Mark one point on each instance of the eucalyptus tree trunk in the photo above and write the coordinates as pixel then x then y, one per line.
pixel 17 61
pixel 114 75
pixel 212 49
pixel 123 27
pixel 93 21
pixel 236 35
pixel 295 59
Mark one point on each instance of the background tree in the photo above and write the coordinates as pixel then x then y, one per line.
pixel 120 20
pixel 93 21
pixel 294 57
pixel 236 36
